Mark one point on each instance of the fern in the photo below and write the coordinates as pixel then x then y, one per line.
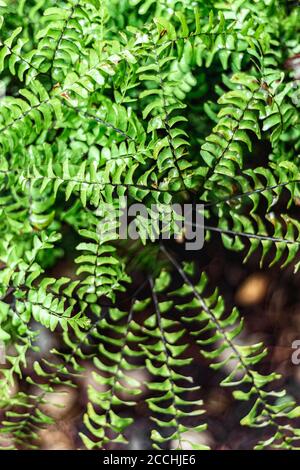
pixel 156 103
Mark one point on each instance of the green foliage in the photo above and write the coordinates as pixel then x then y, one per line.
pixel 161 102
